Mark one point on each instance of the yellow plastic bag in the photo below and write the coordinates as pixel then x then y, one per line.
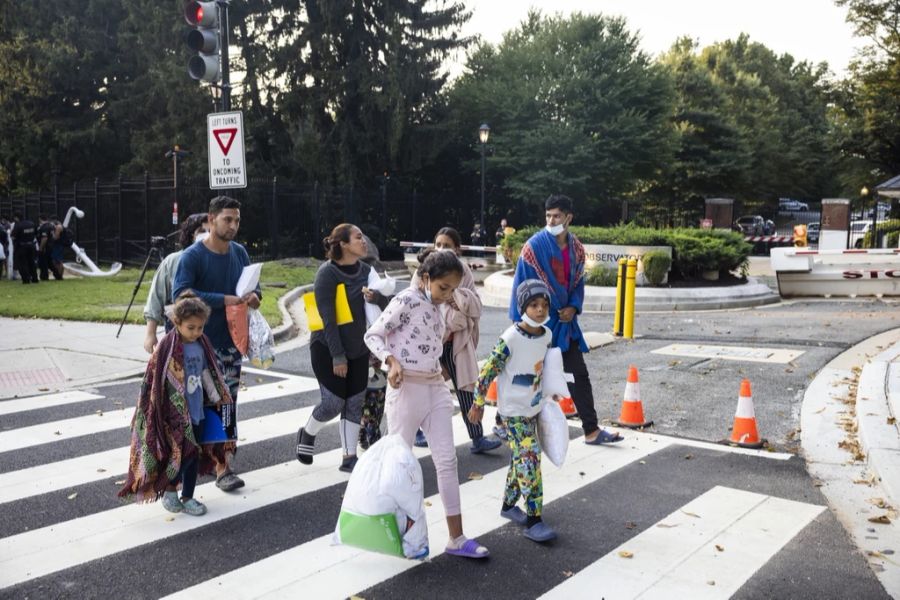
pixel 341 309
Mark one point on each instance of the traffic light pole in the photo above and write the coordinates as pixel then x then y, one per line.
pixel 223 48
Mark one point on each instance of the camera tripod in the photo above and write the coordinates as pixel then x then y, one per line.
pixel 154 250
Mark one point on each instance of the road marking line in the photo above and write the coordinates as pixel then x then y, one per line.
pixel 740 353
pixel 317 569
pixel 53 548
pixel 8 407
pixel 55 431
pixel 680 556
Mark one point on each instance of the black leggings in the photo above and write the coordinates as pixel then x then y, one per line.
pixel 340 395
pixel 466 399
pixel 190 467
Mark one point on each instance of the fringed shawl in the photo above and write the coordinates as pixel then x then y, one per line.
pixel 162 437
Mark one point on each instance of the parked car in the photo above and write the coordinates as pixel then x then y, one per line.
pixel 791 205
pixel 770 227
pixel 812 233
pixel 858 231
pixel 752 225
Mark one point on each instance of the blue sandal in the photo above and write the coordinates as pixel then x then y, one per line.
pixel 604 437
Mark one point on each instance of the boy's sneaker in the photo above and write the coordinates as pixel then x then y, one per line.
pixel 193 508
pixel 171 502
pixel 483 444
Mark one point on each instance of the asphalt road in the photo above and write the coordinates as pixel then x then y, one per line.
pixel 76 540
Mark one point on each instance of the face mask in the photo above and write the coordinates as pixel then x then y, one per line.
pixel 529 321
pixel 201 236
pixel 555 229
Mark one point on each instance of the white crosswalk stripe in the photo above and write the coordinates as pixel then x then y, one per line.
pixel 676 557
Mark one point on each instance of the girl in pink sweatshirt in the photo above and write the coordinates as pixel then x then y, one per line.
pixel 408 338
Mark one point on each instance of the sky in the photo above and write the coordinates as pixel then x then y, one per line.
pixel 813 30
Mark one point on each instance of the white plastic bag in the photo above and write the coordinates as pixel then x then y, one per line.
pixel 553 378
pixel 261 349
pixel 386 482
pixel 385 287
pixel 553 432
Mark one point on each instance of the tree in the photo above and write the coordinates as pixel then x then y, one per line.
pixel 574 107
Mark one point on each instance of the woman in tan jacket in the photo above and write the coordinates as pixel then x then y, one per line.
pixel 461 315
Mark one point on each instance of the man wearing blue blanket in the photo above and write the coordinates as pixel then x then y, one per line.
pixel 556 257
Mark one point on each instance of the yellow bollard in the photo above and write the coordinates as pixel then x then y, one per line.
pixel 618 317
pixel 630 283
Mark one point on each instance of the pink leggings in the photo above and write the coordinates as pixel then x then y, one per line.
pixel 428 406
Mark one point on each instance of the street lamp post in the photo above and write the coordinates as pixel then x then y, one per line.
pixel 483 132
pixel 864 192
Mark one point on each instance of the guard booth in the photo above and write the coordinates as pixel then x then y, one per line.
pixel 834 230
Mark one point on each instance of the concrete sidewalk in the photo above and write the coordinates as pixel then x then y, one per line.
pixel 851 443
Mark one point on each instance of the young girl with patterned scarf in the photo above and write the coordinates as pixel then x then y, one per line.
pixel 166 431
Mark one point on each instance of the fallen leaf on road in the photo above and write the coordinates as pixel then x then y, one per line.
pixel 72 496
pixel 720 548
pixel 630 524
pixel 473 476
pixel 643 462
pixel 820 411
pixel 891 421
pixel 120 482
pixel 710 582
pixel 568 573
pixel 582 473
pixel 43 389
pixel 101 470
pixel 57 433
pixel 280 387
pixel 170 518
pixel 688 456
pixel 99 413
pixel 666 526
pixel 690 514
pixel 427 503
pixel 880 519
pixel 625 554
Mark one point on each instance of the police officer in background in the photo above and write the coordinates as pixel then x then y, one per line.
pixel 23 236
pixel 45 231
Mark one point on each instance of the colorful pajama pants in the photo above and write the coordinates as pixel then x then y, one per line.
pixel 524 475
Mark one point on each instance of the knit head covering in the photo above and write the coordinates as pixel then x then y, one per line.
pixel 528 290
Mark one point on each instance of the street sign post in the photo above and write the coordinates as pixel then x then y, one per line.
pixel 227 164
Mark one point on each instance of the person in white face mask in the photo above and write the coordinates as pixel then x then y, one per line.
pixel 556 257
pixel 194 229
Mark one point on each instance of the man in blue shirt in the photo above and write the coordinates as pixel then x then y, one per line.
pixel 211 269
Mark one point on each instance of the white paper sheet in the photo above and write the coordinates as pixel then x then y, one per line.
pixel 249 279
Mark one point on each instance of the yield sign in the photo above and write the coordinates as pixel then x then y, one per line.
pixel 225 137
pixel 225 142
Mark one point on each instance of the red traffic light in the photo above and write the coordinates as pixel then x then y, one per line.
pixel 201 14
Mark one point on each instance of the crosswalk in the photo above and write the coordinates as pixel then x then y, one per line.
pixel 65 535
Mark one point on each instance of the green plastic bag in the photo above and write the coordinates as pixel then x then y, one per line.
pixel 377 533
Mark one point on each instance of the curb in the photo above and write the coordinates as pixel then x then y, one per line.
pixel 288 329
pixel 498 289
pixel 846 406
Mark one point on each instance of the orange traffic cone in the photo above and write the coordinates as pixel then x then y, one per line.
pixel 491 397
pixel 744 433
pixel 567 405
pixel 632 414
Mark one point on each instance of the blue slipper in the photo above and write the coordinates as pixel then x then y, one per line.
pixel 540 532
pixel 604 437
pixel 515 514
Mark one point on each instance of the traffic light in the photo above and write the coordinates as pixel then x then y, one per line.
pixel 203 39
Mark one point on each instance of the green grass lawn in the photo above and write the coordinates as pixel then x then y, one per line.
pixel 105 298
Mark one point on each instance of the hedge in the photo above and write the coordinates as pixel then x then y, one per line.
pixel 693 250
pixel 888 228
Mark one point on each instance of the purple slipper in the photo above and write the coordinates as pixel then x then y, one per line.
pixel 469 550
